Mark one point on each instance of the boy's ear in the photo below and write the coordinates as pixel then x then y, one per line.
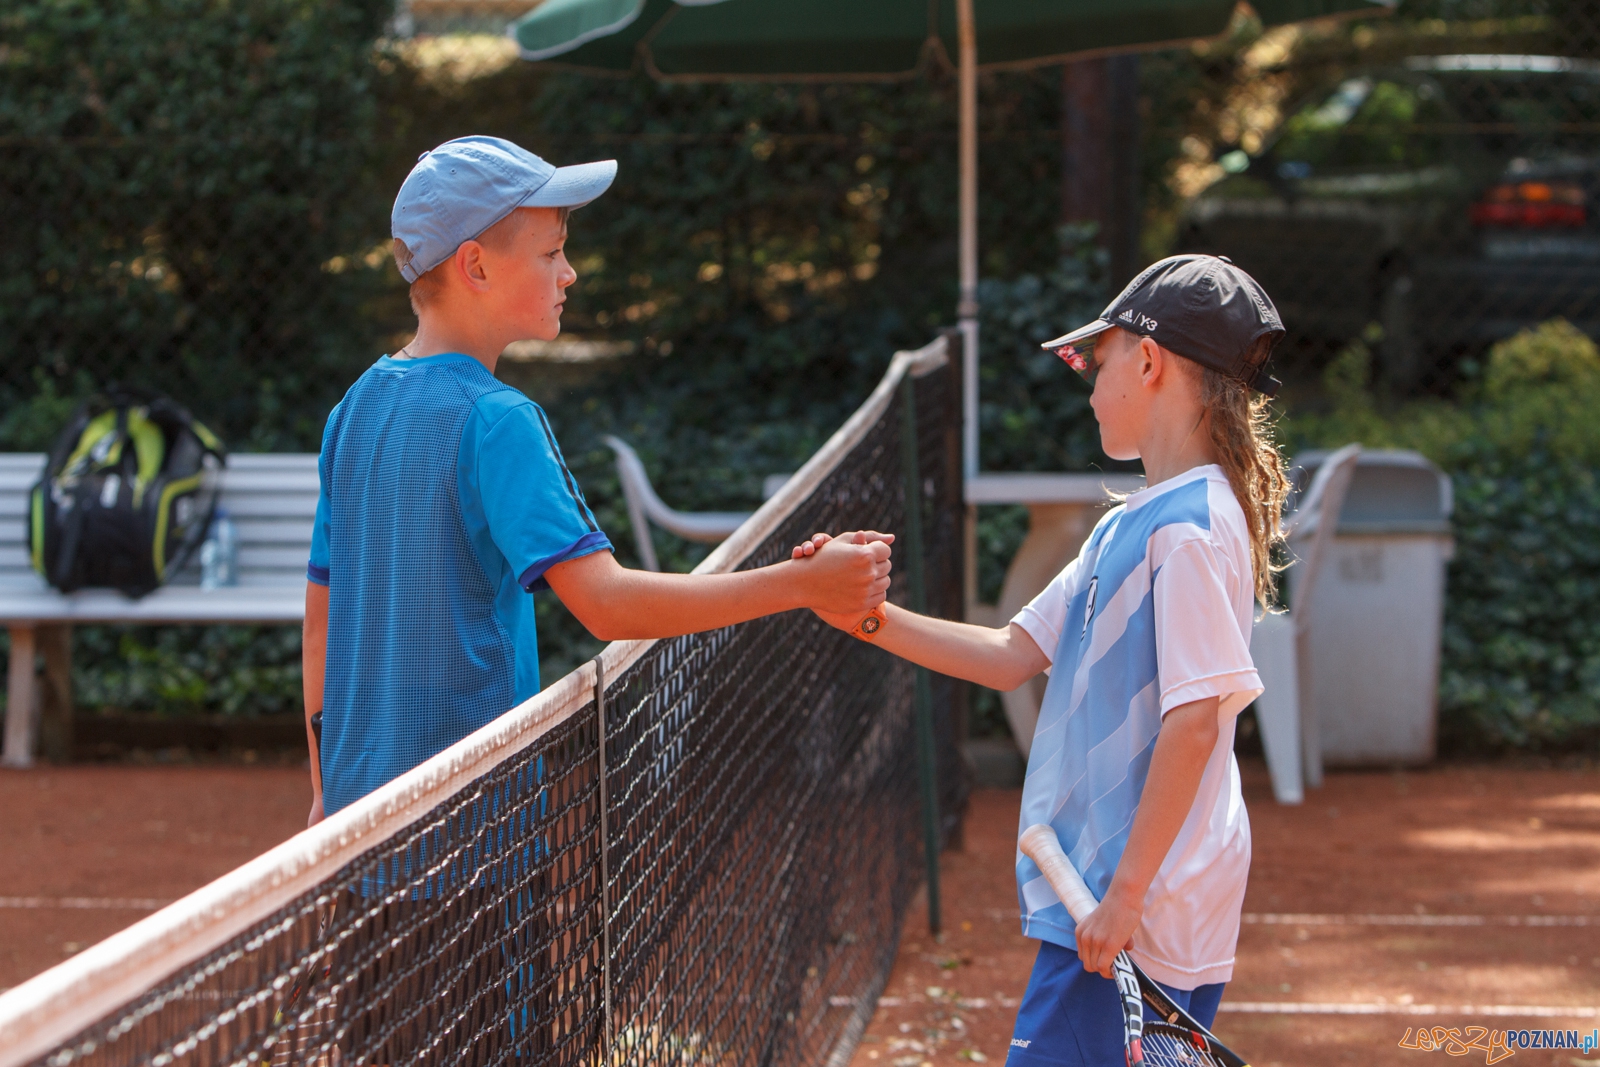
pixel 470 267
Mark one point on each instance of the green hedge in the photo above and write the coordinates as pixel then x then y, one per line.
pixel 1521 665
pixel 180 180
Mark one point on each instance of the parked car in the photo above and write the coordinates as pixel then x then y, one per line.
pixel 1450 199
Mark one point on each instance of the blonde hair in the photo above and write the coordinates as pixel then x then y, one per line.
pixel 1241 432
pixel 427 287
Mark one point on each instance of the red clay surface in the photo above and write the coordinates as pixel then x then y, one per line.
pixel 1459 841
pixel 125 836
pixel 1496 842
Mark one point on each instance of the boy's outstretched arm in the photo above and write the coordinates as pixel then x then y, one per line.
pixel 1184 745
pixel 848 575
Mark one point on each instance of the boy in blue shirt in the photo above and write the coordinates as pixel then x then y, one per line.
pixel 445 500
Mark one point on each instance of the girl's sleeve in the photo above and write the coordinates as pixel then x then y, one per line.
pixel 1046 614
pixel 1201 650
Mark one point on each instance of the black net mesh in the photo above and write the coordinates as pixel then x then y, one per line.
pixel 762 834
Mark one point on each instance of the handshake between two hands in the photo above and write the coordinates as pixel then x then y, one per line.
pixel 854 577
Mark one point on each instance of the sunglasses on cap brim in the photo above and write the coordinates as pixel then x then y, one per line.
pixel 1080 356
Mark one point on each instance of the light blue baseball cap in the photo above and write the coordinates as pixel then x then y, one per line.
pixel 464 186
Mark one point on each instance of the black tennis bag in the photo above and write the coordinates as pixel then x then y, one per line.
pixel 127 495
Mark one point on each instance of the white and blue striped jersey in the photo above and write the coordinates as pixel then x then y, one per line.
pixel 1154 613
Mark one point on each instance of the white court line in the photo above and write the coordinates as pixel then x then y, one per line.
pixel 1540 1011
pixel 85 903
pixel 1269 919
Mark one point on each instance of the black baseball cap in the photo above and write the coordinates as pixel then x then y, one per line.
pixel 1201 307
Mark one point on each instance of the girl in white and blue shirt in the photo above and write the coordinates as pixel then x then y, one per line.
pixel 1146 636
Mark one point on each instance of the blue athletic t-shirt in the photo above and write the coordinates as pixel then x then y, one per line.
pixel 444 501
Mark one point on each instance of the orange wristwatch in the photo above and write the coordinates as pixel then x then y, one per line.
pixel 871 626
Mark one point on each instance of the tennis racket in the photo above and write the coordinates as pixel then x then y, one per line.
pixel 1178 1040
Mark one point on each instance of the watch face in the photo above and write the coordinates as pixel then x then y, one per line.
pixel 870 624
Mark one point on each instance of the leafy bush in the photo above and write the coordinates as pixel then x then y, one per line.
pixel 234 670
pixel 1034 412
pixel 187 185
pixel 1521 666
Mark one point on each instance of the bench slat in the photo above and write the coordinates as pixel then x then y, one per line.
pixel 237 482
pixel 303 508
pixel 252 533
pixel 262 461
pixel 170 604
pixel 19 471
pixel 280 507
pixel 251 461
pixel 18 482
pixel 291 559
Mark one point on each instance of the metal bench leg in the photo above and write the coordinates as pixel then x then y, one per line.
pixel 56 708
pixel 21 700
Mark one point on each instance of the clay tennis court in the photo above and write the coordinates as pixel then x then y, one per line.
pixel 1388 901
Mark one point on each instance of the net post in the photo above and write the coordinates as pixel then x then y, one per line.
pixel 923 698
pixel 606 1022
pixel 951 507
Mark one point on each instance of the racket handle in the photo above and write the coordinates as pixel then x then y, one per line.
pixel 1039 844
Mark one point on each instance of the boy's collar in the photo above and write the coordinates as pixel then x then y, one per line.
pixel 437 357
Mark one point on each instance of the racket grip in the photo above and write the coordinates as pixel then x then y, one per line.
pixel 1039 843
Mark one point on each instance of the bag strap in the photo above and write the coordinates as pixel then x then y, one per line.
pixel 72 529
pixel 71 537
pixel 166 408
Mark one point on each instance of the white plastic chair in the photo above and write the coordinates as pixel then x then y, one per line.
pixel 1280 644
pixel 645 507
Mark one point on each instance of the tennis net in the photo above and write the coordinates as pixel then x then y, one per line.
pixel 722 881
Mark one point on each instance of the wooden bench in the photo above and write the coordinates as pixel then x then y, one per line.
pixel 271 498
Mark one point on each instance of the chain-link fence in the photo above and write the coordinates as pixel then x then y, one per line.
pixel 185 185
pixel 196 198
pixel 1428 187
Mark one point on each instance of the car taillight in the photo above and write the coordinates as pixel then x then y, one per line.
pixel 1531 204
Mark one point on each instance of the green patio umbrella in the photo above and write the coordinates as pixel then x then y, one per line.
pixel 843 40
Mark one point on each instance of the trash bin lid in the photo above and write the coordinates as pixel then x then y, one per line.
pixel 1391 492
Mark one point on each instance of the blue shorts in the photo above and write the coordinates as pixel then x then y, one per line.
pixel 1072 1018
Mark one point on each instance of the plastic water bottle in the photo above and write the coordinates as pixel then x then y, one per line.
pixel 219 556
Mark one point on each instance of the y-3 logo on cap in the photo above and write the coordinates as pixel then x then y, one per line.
pixel 1140 320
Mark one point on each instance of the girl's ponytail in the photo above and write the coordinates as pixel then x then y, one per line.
pixel 1241 433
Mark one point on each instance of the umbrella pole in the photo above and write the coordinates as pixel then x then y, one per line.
pixel 967 309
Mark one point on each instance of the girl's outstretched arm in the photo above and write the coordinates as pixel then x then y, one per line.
pixel 998 658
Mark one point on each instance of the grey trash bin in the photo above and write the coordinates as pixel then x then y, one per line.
pixel 1378 612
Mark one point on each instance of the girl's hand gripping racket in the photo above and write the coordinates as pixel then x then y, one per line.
pixel 1178 1041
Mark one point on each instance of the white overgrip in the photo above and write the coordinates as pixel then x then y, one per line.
pixel 1039 843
